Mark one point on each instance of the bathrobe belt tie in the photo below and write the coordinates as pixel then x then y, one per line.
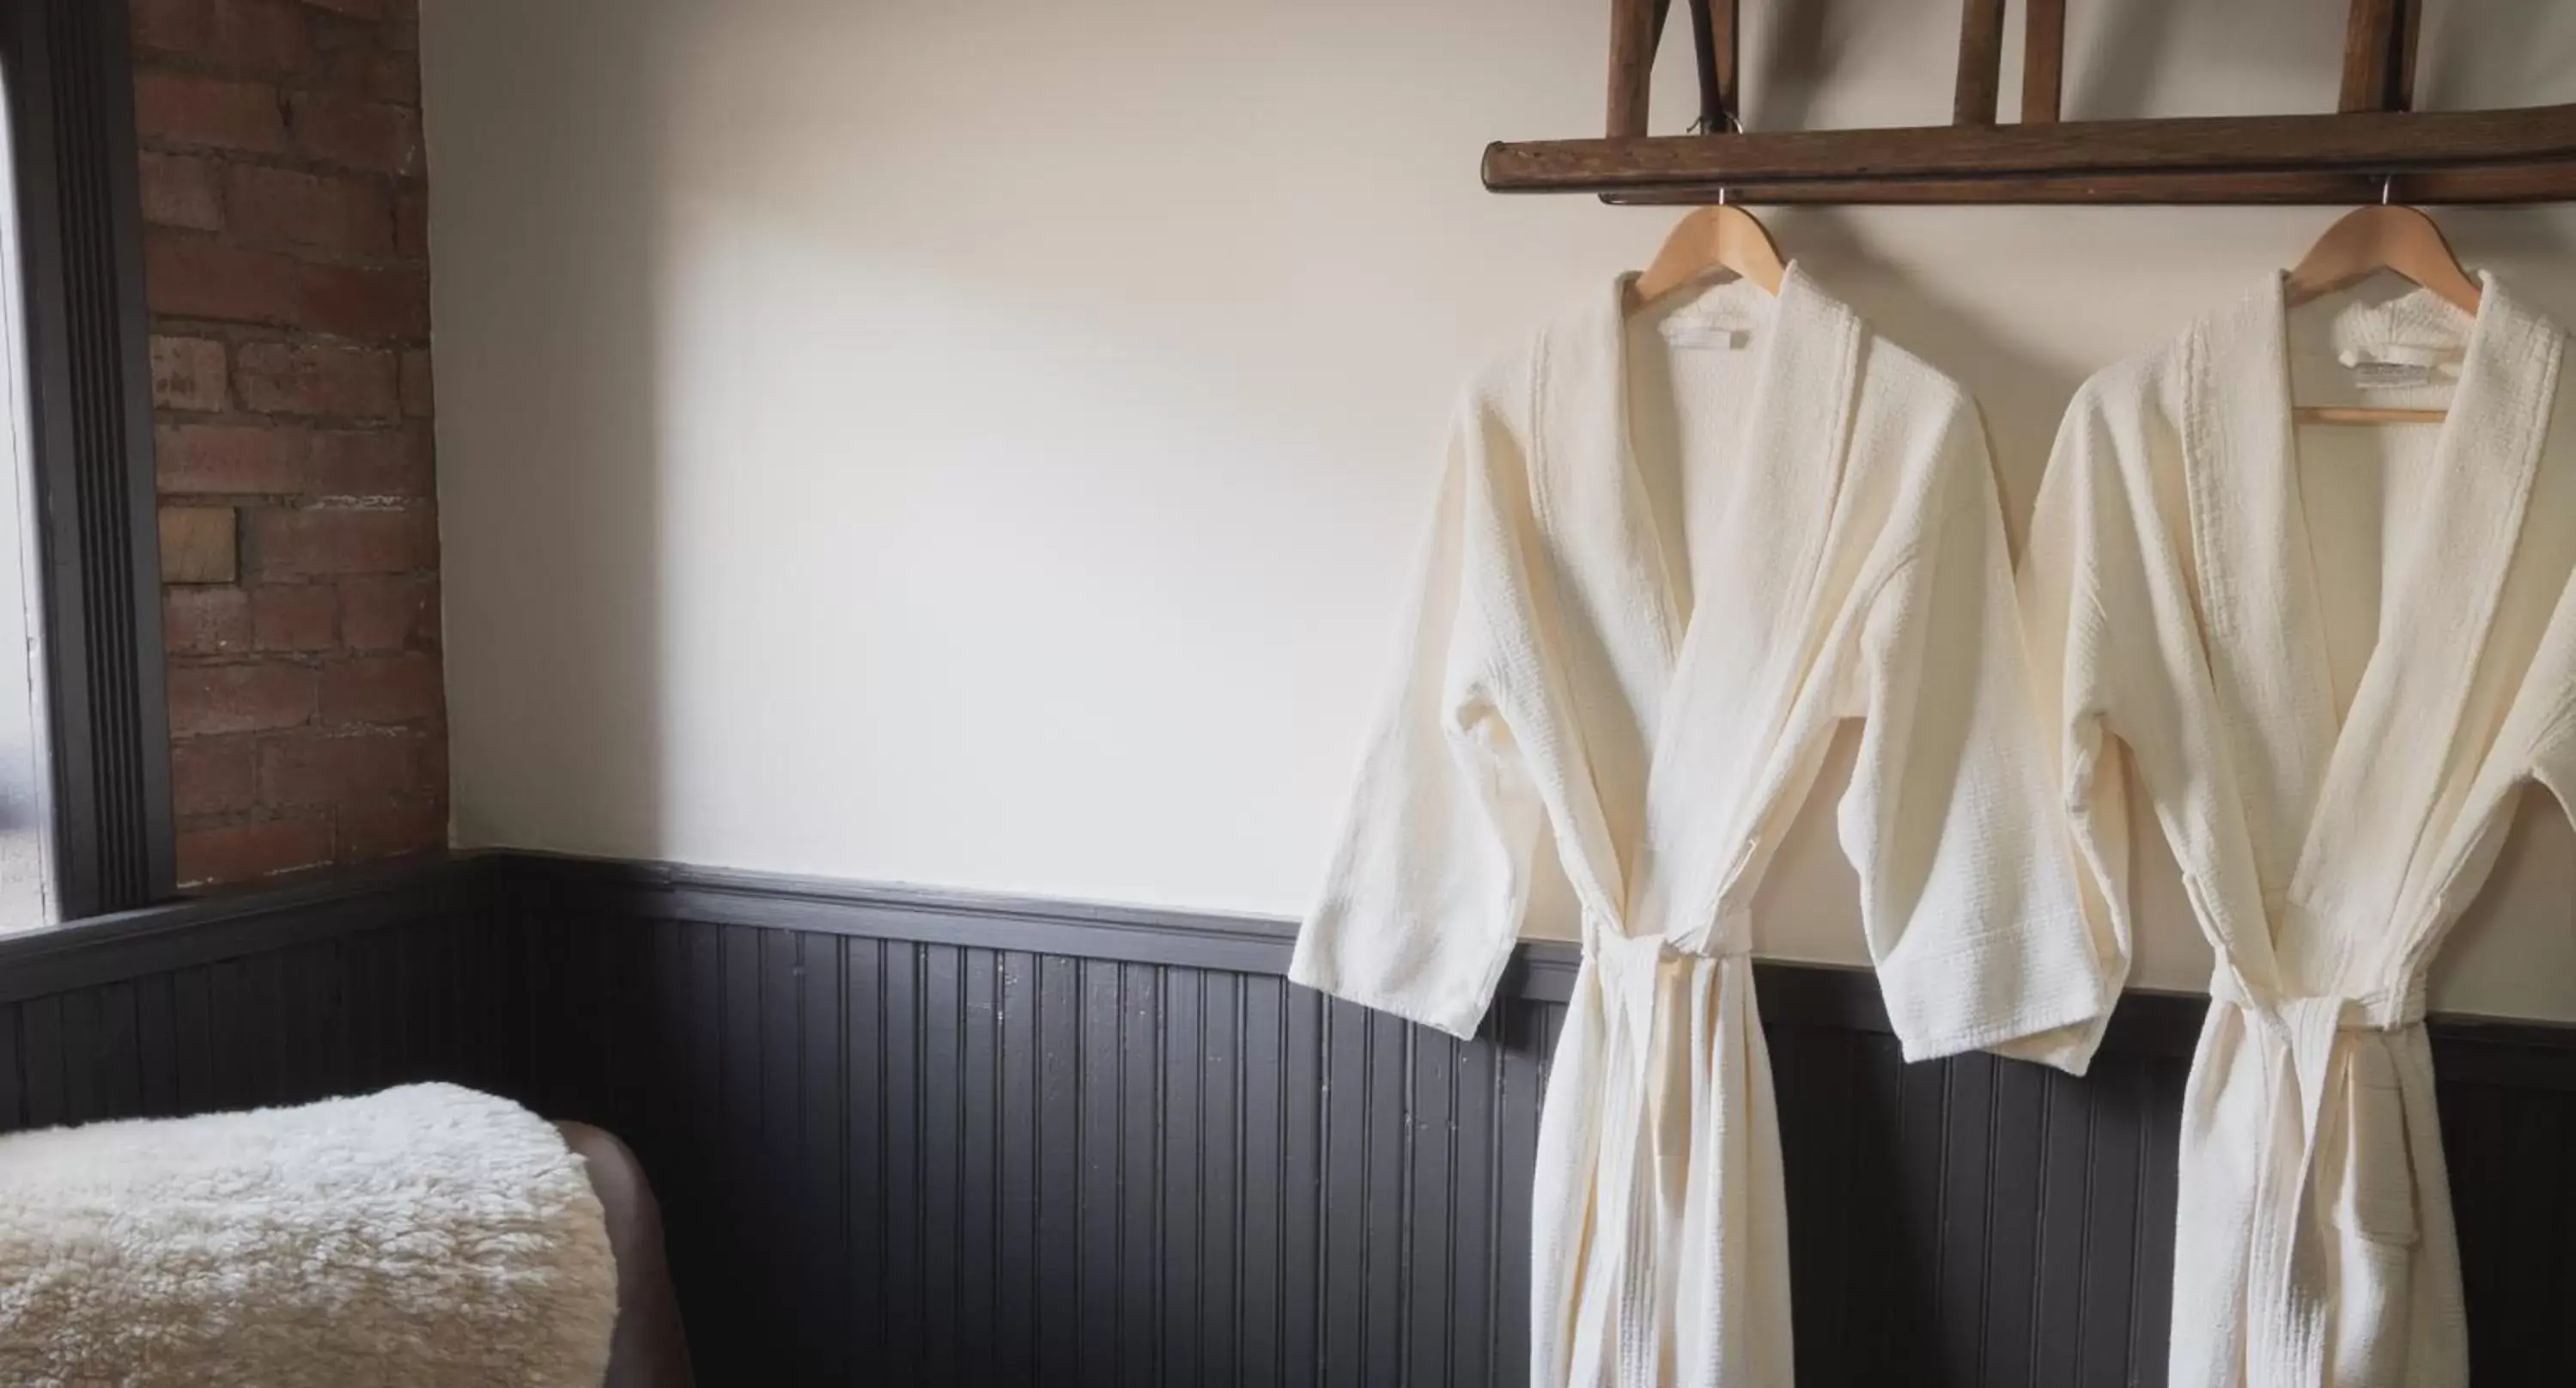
pixel 1630 973
pixel 2290 1305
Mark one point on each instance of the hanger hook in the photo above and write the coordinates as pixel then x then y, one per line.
pixel 1701 126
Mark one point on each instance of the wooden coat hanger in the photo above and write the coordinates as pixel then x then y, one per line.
pixel 2387 236
pixel 1721 237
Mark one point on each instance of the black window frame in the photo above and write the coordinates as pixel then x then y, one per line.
pixel 76 173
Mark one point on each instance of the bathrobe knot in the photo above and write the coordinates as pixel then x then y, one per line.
pixel 1631 971
pixel 2381 1009
pixel 2313 1053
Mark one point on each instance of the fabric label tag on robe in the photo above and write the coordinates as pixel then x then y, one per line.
pixel 1720 330
pixel 2397 367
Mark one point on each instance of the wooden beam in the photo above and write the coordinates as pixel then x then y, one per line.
pixel 2538 183
pixel 2393 142
pixel 1713 28
pixel 2369 56
pixel 1635 25
pixel 1981 62
pixel 2043 60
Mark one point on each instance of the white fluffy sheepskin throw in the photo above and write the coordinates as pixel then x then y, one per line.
pixel 425 1235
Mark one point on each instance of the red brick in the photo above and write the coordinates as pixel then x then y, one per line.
pixel 231 458
pixel 257 35
pixel 419 392
pixel 382 830
pixel 182 109
pixel 239 698
pixel 411 223
pixel 205 621
pixel 306 379
pixel 337 36
pixel 259 848
pixel 354 302
pixel 316 769
pixel 294 617
pixel 324 540
pixel 179 190
pixel 372 462
pixel 173 26
pixel 358 67
pixel 199 544
pixel 388 614
pixel 340 214
pixel 394 77
pixel 433 763
pixel 363 9
pixel 192 277
pixel 213 776
pixel 188 374
pixel 336 129
pixel 382 689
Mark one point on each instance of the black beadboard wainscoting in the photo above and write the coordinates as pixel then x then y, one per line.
pixel 917 1138
pixel 344 985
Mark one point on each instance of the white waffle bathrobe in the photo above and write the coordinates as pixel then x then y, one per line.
pixel 1672 554
pixel 2332 707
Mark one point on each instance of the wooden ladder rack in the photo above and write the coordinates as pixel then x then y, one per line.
pixel 2373 144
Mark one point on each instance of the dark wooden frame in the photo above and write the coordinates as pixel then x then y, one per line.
pixel 2373 145
pixel 71 113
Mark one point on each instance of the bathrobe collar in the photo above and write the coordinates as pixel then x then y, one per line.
pixel 1785 477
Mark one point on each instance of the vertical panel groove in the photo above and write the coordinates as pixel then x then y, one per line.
pixel 1242 1162
pixel 1986 1240
pixel 2137 1250
pixel 2039 1234
pixel 2084 1260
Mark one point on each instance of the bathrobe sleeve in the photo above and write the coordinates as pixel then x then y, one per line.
pixel 2084 565
pixel 1969 893
pixel 1431 872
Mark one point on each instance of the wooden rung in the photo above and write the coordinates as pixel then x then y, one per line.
pixel 2369 56
pixel 1981 61
pixel 1635 25
pixel 2410 28
pixel 1714 27
pixel 2043 60
pixel 2394 142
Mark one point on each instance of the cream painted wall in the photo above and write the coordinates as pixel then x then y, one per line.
pixel 981 444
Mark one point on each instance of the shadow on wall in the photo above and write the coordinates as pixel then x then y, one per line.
pixel 561 407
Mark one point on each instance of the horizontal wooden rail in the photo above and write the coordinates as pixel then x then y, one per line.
pixel 2537 183
pixel 1983 163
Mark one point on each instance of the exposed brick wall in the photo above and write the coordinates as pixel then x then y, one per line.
pixel 286 263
